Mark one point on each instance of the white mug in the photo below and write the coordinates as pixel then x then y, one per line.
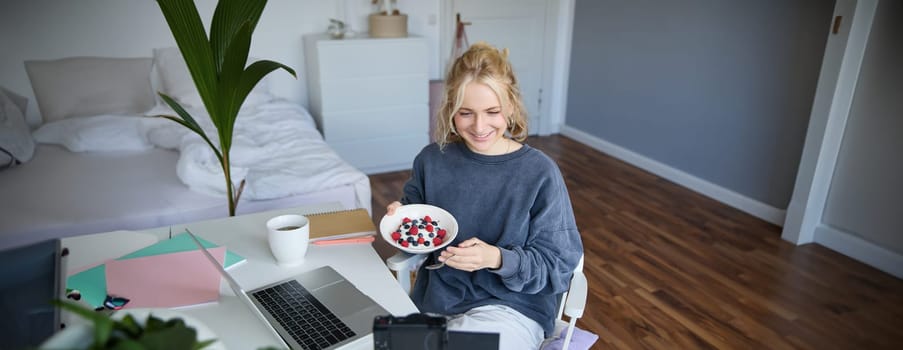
pixel 288 236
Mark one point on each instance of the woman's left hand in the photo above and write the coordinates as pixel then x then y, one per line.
pixel 471 255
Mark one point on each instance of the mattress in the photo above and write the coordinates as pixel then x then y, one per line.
pixel 61 193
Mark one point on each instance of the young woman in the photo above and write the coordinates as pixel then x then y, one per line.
pixel 517 243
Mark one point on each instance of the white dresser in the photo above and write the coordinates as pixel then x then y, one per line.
pixel 370 98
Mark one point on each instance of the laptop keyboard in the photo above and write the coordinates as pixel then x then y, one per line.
pixel 307 321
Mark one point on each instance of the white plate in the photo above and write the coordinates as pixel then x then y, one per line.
pixel 389 224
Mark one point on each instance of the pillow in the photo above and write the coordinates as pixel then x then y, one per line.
pixel 102 133
pixel 84 86
pixel 176 82
pixel 16 144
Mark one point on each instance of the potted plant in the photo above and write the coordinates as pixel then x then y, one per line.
pixel 218 66
pixel 106 332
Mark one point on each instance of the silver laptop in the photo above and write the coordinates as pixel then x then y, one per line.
pixel 318 309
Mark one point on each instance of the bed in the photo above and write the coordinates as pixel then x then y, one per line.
pixel 102 162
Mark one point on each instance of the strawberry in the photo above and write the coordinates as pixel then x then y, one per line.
pixel 441 233
pixel 429 228
pixel 396 235
pixel 406 220
pixel 404 244
pixel 437 241
pixel 427 219
pixel 413 230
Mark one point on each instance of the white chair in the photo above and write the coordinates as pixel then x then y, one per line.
pixel 572 303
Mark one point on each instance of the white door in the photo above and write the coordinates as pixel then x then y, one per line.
pixel 520 26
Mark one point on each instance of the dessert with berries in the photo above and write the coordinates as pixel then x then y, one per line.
pixel 419 233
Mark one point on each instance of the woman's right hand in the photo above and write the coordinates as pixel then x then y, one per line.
pixel 390 209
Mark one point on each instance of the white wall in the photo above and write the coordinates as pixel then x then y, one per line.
pixel 862 211
pixel 864 197
pixel 846 196
pixel 50 29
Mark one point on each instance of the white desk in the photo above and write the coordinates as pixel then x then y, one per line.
pixel 234 324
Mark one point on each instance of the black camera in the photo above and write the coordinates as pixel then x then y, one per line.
pixel 415 331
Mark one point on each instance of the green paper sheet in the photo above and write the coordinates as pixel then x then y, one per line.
pixel 180 243
pixel 91 283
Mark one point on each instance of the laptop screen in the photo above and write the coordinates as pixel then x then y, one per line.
pixel 29 280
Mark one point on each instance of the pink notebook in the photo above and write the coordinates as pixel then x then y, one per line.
pixel 166 280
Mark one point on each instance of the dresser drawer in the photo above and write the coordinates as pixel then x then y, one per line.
pixel 357 94
pixel 396 121
pixel 371 58
pixel 370 98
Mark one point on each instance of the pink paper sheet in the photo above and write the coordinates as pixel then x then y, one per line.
pixel 166 280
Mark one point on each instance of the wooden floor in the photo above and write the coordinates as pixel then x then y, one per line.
pixel 671 269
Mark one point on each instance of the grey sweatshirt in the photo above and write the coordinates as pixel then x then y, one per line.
pixel 517 202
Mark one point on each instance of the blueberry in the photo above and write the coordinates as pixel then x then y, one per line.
pixel 406 226
pixel 414 243
pixel 410 239
pixel 434 223
pixel 426 243
pixel 419 235
pixel 421 226
pixel 432 235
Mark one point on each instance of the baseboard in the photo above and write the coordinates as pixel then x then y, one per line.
pixel 860 249
pixel 753 207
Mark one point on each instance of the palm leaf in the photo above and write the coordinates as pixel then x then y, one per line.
pixel 255 72
pixel 232 68
pixel 187 121
pixel 188 30
pixel 249 78
pixel 218 67
pixel 229 16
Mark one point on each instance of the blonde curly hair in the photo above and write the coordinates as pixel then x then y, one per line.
pixel 481 63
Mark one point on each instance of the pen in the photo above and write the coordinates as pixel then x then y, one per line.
pixel 367 239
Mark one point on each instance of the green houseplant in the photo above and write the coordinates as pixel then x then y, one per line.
pixel 218 66
pixel 130 333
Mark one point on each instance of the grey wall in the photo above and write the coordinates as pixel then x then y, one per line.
pixel 721 90
pixel 866 195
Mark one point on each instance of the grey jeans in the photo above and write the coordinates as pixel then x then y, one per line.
pixel 516 331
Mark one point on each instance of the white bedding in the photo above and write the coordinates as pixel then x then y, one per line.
pixel 16 144
pixel 60 193
pixel 276 149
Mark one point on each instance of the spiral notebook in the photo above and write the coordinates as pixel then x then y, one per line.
pixel 340 224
